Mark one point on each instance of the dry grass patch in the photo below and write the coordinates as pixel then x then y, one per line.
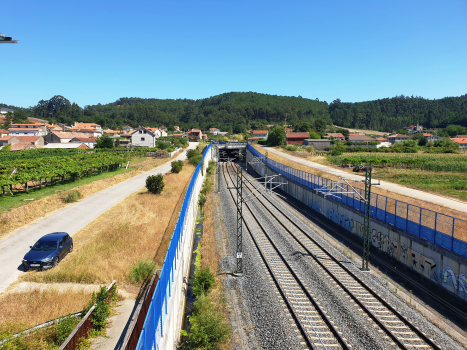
pixel 111 245
pixel 374 189
pixel 26 309
pixel 30 211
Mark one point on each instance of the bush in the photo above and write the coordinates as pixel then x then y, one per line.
pixel 208 328
pixel 102 310
pixel 142 270
pixel 163 144
pixel 195 160
pixel 71 196
pixel 65 326
pixel 292 148
pixel 177 166
pixel 192 153
pixel 155 183
pixel 170 149
pixel 309 149
pixel 204 281
pixel 262 142
pixel 6 148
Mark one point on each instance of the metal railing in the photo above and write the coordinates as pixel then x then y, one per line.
pixel 84 327
pixel 131 342
pixel 153 328
pixel 444 230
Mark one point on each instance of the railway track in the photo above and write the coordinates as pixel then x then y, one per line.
pixel 394 325
pixel 317 330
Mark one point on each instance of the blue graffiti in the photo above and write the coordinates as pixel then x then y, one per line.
pixel 340 219
pixel 315 206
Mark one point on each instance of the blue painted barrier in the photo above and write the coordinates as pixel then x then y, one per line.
pixel 441 229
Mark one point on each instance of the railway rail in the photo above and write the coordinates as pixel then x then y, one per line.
pixel 315 327
pixel 401 332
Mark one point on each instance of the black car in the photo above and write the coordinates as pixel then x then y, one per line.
pixel 48 251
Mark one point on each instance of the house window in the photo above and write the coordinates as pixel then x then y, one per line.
pixel 141 131
pixel 142 139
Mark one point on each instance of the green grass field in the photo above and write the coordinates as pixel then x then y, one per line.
pixel 445 183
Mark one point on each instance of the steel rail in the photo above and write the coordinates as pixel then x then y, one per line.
pixel 334 331
pixel 356 278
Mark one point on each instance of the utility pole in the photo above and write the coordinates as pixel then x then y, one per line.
pixel 366 224
pixel 239 269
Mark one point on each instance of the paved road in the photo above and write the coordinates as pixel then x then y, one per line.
pixel 425 196
pixel 71 219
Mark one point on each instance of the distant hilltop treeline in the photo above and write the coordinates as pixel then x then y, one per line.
pixel 239 111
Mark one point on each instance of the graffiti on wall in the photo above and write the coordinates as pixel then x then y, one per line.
pixel 315 205
pixel 424 265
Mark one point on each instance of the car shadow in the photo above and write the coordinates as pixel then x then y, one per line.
pixel 21 268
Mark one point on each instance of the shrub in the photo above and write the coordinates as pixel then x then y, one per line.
pixel 155 183
pixel 204 280
pixel 292 148
pixel 177 166
pixel 142 270
pixel 71 196
pixel 170 149
pixel 309 149
pixel 163 144
pixel 102 310
pixel 6 148
pixel 192 153
pixel 208 328
pixel 195 160
pixel 262 142
pixel 65 326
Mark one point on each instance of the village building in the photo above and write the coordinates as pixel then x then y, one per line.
pixel 393 139
pixel 318 144
pixel 19 129
pixel 462 142
pixel 3 133
pixel 90 142
pixel 127 129
pixel 5 110
pixel 361 139
pixel 88 128
pixel 260 134
pixel 214 131
pixel 196 135
pixel 413 129
pixel 336 135
pixel 431 137
pixel 65 137
pixel 297 138
pixel 69 145
pixel 145 137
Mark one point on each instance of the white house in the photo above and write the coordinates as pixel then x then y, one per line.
pixel 145 137
pixel 36 129
pixel 90 142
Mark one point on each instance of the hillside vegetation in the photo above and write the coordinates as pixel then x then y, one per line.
pixel 239 111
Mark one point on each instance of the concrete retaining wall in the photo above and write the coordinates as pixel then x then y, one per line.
pixel 430 260
pixel 176 302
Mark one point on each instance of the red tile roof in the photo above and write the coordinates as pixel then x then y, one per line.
pixel 459 140
pixel 428 135
pixel 30 139
pixel 304 135
pixel 260 132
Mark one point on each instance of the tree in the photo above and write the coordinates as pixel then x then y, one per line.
pixel 315 135
pixel 320 125
pixel 303 126
pixel 276 137
pixel 155 183
pixel 454 130
pixel 422 141
pixel 104 142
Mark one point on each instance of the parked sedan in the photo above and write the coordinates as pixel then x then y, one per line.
pixel 48 251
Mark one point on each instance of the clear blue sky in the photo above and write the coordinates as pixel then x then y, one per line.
pixel 98 51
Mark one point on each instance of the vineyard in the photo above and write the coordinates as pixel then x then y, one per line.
pixel 429 162
pixel 20 171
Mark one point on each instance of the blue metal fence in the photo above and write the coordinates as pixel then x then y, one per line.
pixel 154 324
pixel 444 230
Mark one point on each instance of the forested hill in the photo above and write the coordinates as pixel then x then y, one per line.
pixel 230 111
pixel 238 111
pixel 399 112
